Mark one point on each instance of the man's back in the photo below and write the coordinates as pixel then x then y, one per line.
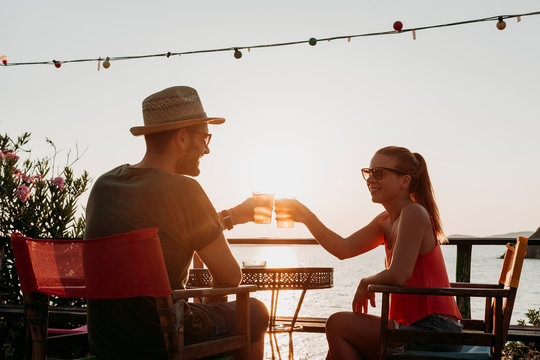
pixel 128 198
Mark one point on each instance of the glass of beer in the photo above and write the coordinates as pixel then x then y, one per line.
pixel 263 214
pixel 284 218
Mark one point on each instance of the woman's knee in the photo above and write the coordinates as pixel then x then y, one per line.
pixel 335 322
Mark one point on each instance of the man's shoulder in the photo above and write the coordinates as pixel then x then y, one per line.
pixel 148 181
pixel 127 172
pixel 113 172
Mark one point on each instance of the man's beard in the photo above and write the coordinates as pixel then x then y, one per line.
pixel 190 164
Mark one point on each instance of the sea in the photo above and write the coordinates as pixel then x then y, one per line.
pixel 485 268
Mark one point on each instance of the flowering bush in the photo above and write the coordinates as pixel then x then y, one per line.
pixel 35 202
pixel 38 201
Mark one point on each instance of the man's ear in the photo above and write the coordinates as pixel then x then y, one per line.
pixel 182 139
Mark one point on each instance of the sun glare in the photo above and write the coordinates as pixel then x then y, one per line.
pixel 275 256
pixel 280 173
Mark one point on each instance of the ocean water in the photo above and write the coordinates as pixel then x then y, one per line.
pixel 485 268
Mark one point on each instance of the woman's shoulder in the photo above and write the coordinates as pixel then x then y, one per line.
pixel 415 212
pixel 380 219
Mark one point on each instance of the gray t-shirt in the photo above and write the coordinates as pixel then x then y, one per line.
pixel 126 199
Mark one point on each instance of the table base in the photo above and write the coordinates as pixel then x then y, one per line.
pixel 283 328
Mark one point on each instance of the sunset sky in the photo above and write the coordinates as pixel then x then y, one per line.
pixel 301 120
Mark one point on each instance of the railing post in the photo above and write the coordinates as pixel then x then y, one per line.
pixel 463 274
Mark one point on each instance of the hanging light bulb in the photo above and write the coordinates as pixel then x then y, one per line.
pixel 501 24
pixel 312 41
pixel 106 63
pixel 237 53
pixel 57 64
pixel 398 25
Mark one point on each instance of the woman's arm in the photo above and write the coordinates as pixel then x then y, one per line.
pixel 360 242
pixel 413 230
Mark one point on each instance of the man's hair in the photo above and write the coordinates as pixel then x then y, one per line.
pixel 158 141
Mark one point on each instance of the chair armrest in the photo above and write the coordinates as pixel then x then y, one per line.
pixel 203 292
pixel 473 292
pixel 474 285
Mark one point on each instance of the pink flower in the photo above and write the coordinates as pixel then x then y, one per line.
pixel 2 155
pixel 27 179
pixel 58 182
pixel 39 177
pixel 11 155
pixel 22 192
pixel 18 173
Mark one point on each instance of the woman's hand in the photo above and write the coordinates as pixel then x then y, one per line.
pixel 361 298
pixel 293 207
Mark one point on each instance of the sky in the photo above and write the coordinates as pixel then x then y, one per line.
pixel 301 120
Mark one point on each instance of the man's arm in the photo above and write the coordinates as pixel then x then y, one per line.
pixel 221 263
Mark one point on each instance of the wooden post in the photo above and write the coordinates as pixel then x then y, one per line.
pixel 463 274
pixel 383 334
pixel 243 324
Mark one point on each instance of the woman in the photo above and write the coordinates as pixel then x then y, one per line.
pixel 411 230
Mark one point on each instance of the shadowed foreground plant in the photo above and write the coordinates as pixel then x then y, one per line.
pixel 37 200
pixel 517 350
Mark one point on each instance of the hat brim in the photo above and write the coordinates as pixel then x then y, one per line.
pixel 152 129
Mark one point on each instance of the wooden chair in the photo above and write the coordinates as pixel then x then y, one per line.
pixel 119 266
pixel 482 339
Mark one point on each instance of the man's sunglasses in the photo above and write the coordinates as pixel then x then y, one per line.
pixel 378 172
pixel 206 138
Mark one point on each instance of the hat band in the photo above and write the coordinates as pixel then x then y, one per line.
pixel 158 119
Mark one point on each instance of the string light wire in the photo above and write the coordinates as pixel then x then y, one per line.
pixel 289 43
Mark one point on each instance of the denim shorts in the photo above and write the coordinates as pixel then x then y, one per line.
pixel 434 322
pixel 211 321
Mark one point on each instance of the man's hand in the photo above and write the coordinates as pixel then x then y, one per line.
pixel 243 212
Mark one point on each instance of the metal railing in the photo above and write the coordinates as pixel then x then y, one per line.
pixel 463 255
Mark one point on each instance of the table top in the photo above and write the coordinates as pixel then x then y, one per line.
pixel 297 278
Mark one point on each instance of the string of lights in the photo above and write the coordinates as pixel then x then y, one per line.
pixel 397 28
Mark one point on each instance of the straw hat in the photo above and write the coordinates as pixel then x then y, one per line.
pixel 172 108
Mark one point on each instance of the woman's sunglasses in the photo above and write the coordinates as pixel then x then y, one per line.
pixel 378 172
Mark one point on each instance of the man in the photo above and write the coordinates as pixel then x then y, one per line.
pixel 156 192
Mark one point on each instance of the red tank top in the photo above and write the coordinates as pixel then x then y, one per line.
pixel 429 271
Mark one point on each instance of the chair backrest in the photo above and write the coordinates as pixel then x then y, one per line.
pixel 134 266
pixel 510 275
pixel 513 263
pixel 118 266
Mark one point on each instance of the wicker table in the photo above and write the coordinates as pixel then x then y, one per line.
pixel 276 279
